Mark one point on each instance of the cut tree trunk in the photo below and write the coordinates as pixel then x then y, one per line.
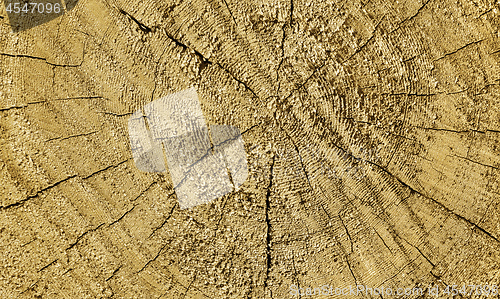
pixel 372 133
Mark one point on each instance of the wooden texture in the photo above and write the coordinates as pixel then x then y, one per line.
pixel 406 93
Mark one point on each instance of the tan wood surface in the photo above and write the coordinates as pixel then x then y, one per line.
pixel 372 132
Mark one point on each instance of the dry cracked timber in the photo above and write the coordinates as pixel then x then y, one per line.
pixel 313 86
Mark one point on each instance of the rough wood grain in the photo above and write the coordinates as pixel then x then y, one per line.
pixel 314 86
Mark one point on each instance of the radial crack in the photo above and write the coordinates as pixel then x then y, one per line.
pixel 42 59
pixel 114 272
pixel 448 210
pixel 461 48
pixel 475 162
pixel 268 223
pixel 347 232
pixel 154 258
pixel 230 12
pixel 104 169
pixel 122 216
pixel 143 27
pixel 48 265
pixel 238 80
pixel 412 17
pixel 70 136
pixel 365 43
pixel 18 203
pixel 83 235
pixel 166 218
pixel 418 249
